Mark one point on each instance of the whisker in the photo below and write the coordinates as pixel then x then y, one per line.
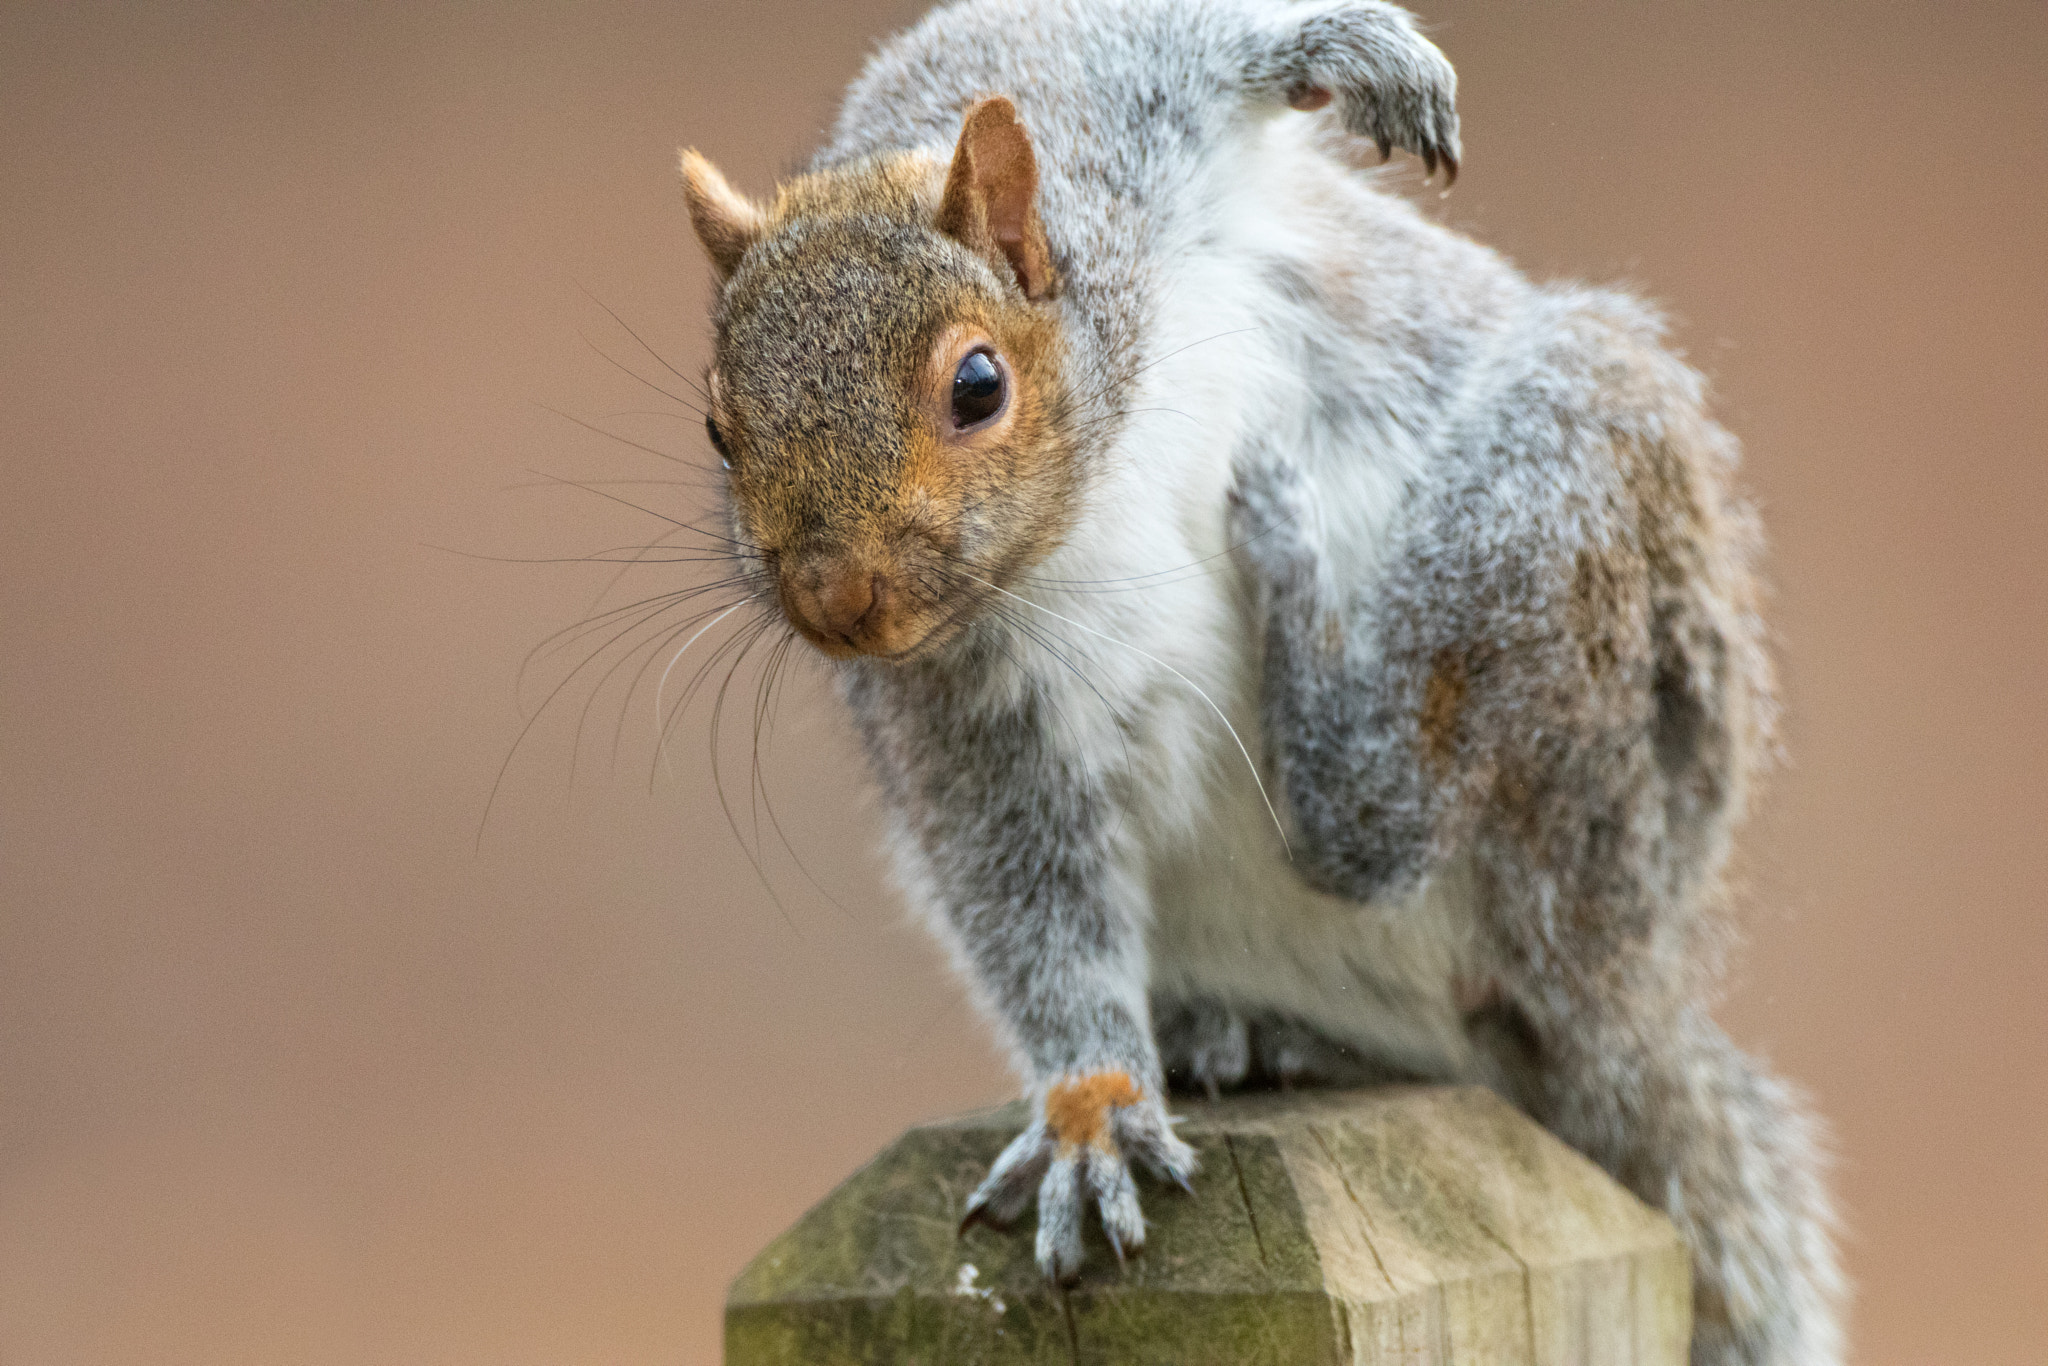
pixel 601 557
pixel 662 643
pixel 635 374
pixel 653 648
pixel 583 715
pixel 660 730
pixel 1241 749
pixel 751 635
pixel 540 711
pixel 612 435
pixel 659 360
pixel 705 485
pixel 1126 376
pixel 592 625
pixel 690 690
pixel 752 550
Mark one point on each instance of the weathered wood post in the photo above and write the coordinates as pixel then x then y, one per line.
pixel 1412 1225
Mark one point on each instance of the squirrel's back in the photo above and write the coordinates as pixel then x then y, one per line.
pixel 1134 105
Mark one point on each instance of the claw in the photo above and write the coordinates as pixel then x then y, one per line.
pixel 978 1213
pixel 1079 1176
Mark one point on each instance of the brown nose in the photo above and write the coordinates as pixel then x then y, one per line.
pixel 833 601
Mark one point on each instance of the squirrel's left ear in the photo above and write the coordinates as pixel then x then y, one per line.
pixel 727 222
pixel 991 197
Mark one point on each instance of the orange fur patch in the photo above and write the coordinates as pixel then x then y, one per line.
pixel 1077 1110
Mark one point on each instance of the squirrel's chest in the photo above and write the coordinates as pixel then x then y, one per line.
pixel 1228 917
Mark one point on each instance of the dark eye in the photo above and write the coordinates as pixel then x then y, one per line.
pixel 718 441
pixel 977 390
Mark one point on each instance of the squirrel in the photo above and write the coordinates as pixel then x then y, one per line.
pixel 1289 643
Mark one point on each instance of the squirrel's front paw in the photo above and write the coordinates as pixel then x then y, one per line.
pixel 1078 1150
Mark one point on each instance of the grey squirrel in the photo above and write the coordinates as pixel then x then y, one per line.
pixel 1288 641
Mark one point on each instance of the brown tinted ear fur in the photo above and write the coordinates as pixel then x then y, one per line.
pixel 991 198
pixel 727 222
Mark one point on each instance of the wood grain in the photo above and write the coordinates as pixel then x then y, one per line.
pixel 1408 1225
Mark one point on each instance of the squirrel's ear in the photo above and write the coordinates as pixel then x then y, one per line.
pixel 991 198
pixel 727 222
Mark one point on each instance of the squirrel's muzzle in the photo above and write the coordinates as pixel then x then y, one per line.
pixel 846 605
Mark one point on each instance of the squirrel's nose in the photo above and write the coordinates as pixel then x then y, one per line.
pixel 833 600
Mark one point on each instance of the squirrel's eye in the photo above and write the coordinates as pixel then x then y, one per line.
pixel 718 441
pixel 977 390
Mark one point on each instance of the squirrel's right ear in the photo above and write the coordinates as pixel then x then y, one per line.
pixel 727 222
pixel 991 197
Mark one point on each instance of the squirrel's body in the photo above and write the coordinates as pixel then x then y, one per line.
pixel 1332 654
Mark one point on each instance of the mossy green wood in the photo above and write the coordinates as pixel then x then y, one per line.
pixel 1410 1225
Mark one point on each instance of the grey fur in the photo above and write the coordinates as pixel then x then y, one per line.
pixel 1524 702
pixel 1605 693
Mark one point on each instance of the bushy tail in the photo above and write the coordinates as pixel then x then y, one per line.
pixel 1695 1126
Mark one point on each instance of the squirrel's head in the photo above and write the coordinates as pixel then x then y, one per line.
pixel 887 388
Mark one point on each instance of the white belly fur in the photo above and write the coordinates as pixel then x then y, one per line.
pixel 1232 922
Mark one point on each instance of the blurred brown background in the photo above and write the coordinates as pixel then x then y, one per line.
pixel 292 1069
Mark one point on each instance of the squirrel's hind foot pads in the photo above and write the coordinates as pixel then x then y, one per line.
pixel 1076 1151
pixel 1391 85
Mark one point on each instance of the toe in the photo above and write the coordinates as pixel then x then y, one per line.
pixel 1116 1197
pixel 1060 1213
pixel 1146 1134
pixel 1006 1190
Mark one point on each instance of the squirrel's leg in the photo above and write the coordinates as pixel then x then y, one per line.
pixel 1010 847
pixel 1341 731
pixel 1587 763
pixel 1066 981
pixel 1064 970
pixel 1389 84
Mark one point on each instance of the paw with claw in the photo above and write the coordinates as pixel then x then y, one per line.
pixel 1076 1153
pixel 1389 83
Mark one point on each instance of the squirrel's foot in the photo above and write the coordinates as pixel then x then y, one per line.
pixel 1203 1045
pixel 1076 1152
pixel 1289 1053
pixel 1390 84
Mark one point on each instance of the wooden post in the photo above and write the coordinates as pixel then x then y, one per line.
pixel 1411 1225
